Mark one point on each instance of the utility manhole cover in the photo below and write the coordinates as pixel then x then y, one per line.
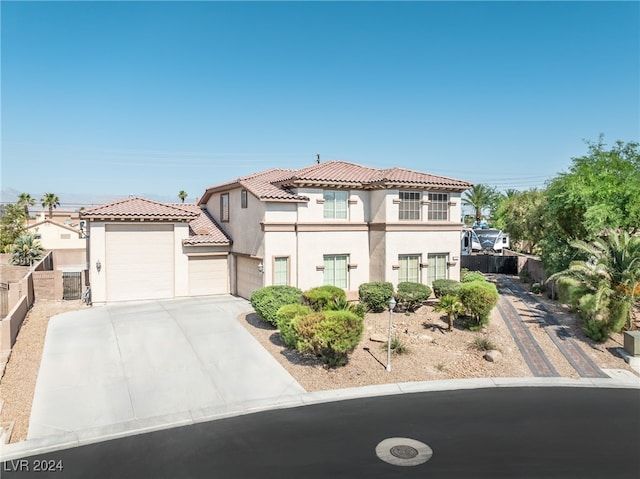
pixel 402 451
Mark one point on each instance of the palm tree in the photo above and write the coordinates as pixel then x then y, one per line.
pixel 26 251
pixel 182 195
pixel 612 273
pixel 480 197
pixel 26 200
pixel 51 201
pixel 452 306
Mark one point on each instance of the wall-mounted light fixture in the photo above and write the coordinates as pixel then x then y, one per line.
pixel 260 267
pixel 98 265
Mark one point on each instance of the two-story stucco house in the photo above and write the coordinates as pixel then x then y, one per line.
pixel 332 223
pixel 339 223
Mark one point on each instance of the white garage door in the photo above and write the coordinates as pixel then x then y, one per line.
pixel 208 275
pixel 139 261
pixel 248 276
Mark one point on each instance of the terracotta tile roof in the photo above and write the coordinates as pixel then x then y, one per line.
pixel 203 229
pixel 276 184
pixel 350 174
pixel 135 207
pixel 262 185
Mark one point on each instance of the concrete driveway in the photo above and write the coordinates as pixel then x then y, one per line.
pixel 128 362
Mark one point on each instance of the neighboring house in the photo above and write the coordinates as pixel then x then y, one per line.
pixel 332 223
pixel 68 244
pixel 143 249
pixel 339 223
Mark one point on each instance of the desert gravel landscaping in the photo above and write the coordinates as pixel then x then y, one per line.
pixel 433 353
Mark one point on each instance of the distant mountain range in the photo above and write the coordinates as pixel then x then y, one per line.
pixel 74 201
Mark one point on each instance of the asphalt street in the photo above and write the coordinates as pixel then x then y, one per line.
pixel 531 432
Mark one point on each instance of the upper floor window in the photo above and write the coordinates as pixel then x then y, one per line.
pixel 224 207
pixel 243 198
pixel 409 205
pixel 335 204
pixel 438 206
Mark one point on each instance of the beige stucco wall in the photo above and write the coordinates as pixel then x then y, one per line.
pixel 244 225
pixel 54 237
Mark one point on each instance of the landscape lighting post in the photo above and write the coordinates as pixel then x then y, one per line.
pixel 392 304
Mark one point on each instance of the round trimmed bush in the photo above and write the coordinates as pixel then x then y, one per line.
pixel 267 301
pixel 375 296
pixel 478 298
pixel 286 315
pixel 445 287
pixel 321 297
pixel 473 276
pixel 411 296
pixel 330 335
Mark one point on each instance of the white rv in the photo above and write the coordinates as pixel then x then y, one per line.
pixel 469 242
pixel 492 240
pixel 486 240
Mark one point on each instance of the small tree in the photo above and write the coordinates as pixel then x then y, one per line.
pixel 479 298
pixel 26 251
pixel 452 306
pixel 182 195
pixel 12 225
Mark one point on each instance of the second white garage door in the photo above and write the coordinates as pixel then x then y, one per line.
pixel 248 276
pixel 208 275
pixel 139 261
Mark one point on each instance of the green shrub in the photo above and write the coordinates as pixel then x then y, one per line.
pixel 375 296
pixel 344 305
pixel 537 288
pixel 478 298
pixel 483 344
pixel 398 346
pixel 587 307
pixel 473 276
pixel 267 301
pixel 319 298
pixel 596 329
pixel 411 296
pixel 445 287
pixel 285 316
pixel 570 290
pixel 330 335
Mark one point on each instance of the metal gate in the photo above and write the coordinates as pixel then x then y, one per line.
pixel 71 285
pixel 489 263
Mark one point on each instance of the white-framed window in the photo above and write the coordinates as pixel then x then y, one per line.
pixel 243 198
pixel 224 207
pixel 409 268
pixel 336 270
pixel 335 204
pixel 438 207
pixel 409 209
pixel 281 271
pixel 437 268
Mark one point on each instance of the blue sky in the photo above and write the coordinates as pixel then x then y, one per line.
pixel 115 98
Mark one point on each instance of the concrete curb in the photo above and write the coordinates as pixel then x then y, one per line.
pixel 84 437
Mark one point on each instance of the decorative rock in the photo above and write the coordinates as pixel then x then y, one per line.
pixel 492 356
pixel 378 338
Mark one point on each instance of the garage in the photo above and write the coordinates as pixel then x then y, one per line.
pixel 248 276
pixel 208 275
pixel 139 261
